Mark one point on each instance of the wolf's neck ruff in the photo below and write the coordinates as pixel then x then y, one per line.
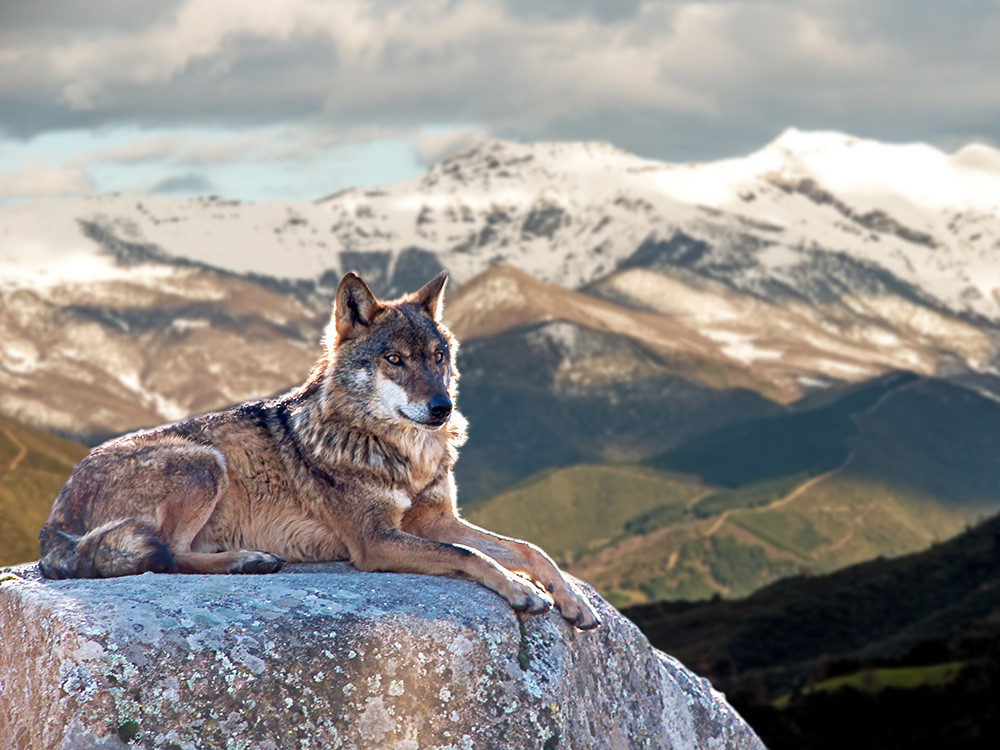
pixel 331 442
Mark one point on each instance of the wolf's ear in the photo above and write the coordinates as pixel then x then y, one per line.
pixel 355 306
pixel 431 295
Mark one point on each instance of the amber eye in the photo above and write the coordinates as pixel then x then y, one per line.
pixel 439 356
pixel 393 359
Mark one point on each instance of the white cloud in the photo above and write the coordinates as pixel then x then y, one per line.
pixel 208 30
pixel 178 148
pixel 437 145
pixel 675 80
pixel 34 181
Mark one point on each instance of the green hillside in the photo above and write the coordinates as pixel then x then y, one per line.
pixel 33 466
pixel 582 509
pixel 886 469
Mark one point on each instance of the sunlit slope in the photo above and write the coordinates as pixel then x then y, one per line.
pixel 33 466
pixel 880 610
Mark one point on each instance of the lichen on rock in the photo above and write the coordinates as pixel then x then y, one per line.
pixel 323 656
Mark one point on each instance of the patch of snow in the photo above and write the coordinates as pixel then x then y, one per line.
pixel 19 357
pixel 741 347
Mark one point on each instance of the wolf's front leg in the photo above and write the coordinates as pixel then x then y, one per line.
pixel 394 551
pixel 521 557
pixel 435 517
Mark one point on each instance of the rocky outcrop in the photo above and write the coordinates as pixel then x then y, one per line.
pixel 322 656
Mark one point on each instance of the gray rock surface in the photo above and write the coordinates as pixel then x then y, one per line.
pixel 322 656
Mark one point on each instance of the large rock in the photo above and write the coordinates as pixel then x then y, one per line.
pixel 322 656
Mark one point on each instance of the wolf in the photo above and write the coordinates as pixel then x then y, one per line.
pixel 355 464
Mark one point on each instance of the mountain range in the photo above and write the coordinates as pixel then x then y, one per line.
pixel 626 324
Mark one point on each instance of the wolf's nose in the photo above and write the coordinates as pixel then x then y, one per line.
pixel 440 407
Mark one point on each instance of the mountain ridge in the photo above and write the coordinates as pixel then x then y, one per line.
pixel 548 208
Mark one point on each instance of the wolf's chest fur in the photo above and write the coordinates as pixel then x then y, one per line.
pixel 403 458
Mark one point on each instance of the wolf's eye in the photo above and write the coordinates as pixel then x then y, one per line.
pixel 393 359
pixel 439 356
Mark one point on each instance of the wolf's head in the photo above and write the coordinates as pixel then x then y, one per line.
pixel 393 361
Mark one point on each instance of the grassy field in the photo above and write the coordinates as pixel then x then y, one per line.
pixel 33 466
pixel 581 509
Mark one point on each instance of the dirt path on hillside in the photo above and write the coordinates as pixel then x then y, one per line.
pixel 808 485
pixel 22 451
pixel 855 523
pixel 781 501
pixel 718 523
pixel 812 482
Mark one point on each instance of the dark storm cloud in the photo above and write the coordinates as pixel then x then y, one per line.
pixel 666 79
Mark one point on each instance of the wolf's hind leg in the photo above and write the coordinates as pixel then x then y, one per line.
pixel 230 561
pixel 130 506
pixel 192 483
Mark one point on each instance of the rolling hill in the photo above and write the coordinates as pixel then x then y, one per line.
pixel 887 468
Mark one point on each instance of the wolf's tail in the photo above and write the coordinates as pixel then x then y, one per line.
pixel 119 548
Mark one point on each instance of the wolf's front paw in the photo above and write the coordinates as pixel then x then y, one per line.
pixel 256 561
pixel 576 610
pixel 526 597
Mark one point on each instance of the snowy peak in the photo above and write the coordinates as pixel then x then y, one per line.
pixel 802 142
pixel 978 158
pixel 506 159
pixel 867 170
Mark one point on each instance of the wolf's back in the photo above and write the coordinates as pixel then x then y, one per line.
pixel 119 548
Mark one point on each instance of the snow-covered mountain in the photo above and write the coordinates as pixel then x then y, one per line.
pixel 810 214
pixel 818 259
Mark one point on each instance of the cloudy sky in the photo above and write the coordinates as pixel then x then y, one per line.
pixel 294 99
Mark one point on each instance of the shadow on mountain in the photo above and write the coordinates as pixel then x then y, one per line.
pixel 928 435
pixel 525 417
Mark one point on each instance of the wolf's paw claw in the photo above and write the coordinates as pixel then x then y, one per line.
pixel 531 599
pixel 258 561
pixel 585 622
pixel 536 606
pixel 579 613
